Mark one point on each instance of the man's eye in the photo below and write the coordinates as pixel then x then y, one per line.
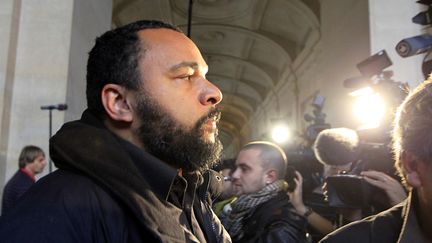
pixel 187 77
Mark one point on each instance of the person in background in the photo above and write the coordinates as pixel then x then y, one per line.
pixel 31 162
pixel 262 212
pixel 223 204
pixel 226 168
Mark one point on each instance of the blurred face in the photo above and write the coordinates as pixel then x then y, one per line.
pixel 228 188
pixel 177 105
pixel 37 165
pixel 249 176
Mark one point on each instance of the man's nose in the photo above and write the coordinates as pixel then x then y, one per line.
pixel 211 95
pixel 235 175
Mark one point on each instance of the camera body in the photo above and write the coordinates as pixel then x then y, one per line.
pixel 349 191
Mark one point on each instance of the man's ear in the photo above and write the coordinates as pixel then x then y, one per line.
pixel 272 176
pixel 411 166
pixel 116 103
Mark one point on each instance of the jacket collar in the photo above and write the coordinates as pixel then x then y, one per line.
pixel 111 159
pixel 411 231
pixel 158 174
pixel 28 173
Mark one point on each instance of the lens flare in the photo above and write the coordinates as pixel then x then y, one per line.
pixel 369 109
pixel 280 133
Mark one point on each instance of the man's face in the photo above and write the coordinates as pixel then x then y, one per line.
pixel 249 176
pixel 37 165
pixel 176 104
pixel 228 187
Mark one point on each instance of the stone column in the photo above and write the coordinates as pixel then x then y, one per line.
pixel 43 53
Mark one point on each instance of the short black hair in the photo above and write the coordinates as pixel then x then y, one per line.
pixel 225 164
pixel 115 58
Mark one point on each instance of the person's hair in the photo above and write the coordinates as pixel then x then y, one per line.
pixel 28 155
pixel 337 146
pixel 272 156
pixel 115 58
pixel 412 126
pixel 225 164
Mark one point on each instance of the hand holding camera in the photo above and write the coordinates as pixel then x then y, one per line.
pixel 394 190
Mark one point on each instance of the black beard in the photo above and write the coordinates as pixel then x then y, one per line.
pixel 165 138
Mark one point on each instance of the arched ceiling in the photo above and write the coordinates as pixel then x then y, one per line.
pixel 248 45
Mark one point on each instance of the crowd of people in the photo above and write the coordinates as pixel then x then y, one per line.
pixel 136 166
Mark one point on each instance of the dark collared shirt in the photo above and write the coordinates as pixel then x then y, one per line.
pixel 178 190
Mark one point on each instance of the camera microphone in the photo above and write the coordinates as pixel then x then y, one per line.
pixel 414 45
pixel 60 107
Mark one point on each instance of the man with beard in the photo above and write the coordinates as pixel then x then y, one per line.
pixel 134 167
pixel 263 212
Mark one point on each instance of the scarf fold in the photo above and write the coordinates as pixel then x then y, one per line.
pixel 246 204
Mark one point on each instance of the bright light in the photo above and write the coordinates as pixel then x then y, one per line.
pixel 369 109
pixel 362 91
pixel 280 133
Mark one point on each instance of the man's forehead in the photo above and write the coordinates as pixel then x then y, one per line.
pixel 249 156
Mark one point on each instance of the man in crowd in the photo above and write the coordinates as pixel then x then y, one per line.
pixel 225 168
pixel 31 161
pixel 263 213
pixel 410 220
pixel 130 170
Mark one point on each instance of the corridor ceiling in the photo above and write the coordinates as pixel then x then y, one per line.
pixel 249 45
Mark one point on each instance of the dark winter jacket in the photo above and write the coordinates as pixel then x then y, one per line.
pixel 14 189
pixel 397 224
pixel 108 190
pixel 274 221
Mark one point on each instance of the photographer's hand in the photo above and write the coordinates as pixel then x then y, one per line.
pixel 296 196
pixel 315 220
pixel 392 187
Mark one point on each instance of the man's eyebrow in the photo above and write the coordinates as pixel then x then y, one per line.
pixel 243 165
pixel 193 65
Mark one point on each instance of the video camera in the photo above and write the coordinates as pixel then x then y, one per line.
pixel 349 189
pixel 301 156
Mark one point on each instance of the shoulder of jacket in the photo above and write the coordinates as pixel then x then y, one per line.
pixel 212 185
